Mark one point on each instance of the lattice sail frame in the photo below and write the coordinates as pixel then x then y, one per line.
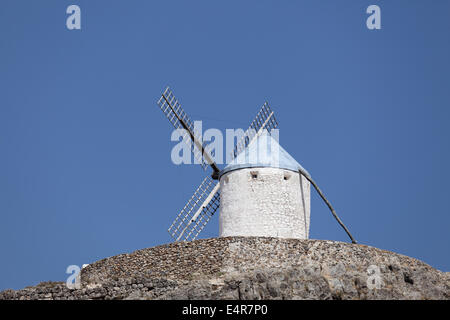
pixel 171 107
pixel 206 199
pixel 197 212
pixel 265 119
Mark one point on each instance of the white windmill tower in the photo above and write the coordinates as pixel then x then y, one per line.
pixel 263 191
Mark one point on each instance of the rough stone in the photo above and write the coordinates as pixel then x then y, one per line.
pixel 250 268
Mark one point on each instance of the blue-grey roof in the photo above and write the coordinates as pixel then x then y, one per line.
pixel 264 151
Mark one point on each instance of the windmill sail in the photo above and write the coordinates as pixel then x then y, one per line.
pixel 171 107
pixel 265 119
pixel 206 199
pixel 197 212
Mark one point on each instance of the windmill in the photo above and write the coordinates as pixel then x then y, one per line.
pixel 269 196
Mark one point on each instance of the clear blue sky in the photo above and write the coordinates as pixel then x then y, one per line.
pixel 85 170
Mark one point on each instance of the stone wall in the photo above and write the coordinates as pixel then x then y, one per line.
pixel 251 268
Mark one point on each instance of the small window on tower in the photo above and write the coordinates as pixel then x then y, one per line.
pixel 287 176
pixel 254 174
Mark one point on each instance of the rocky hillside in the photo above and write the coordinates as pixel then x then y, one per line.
pixel 251 268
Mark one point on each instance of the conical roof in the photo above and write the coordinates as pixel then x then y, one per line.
pixel 264 151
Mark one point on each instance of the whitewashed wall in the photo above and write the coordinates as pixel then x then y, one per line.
pixel 267 205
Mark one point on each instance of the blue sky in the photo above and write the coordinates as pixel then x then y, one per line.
pixel 85 169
